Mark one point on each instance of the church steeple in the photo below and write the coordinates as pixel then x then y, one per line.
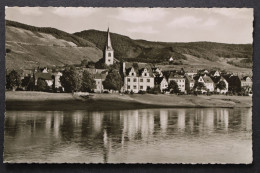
pixel 109 52
pixel 109 45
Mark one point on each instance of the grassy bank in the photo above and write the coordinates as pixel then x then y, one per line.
pixel 66 101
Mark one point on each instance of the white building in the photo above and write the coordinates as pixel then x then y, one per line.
pixel 209 84
pixel 180 80
pixel 161 82
pixel 136 79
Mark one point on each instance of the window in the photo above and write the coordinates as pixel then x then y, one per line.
pixel 128 87
pixel 134 86
pixel 141 80
pixel 134 79
pixel 108 60
pixel 148 80
pixel 141 87
pixel 109 54
pixel 133 74
pixel 128 79
pixel 145 74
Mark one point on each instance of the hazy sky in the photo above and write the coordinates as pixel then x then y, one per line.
pixel 226 25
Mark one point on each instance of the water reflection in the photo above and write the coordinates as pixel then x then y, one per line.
pixel 113 136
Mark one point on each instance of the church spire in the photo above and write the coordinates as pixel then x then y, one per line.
pixel 109 45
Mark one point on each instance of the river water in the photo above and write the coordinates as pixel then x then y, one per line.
pixel 192 135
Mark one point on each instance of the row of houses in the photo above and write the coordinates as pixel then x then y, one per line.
pixel 144 76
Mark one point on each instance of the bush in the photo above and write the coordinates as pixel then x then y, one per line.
pixel 141 92
pixel 126 92
pixel 131 92
pixel 153 90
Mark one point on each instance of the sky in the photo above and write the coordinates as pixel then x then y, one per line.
pixel 224 25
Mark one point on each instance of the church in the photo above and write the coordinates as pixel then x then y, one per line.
pixel 109 52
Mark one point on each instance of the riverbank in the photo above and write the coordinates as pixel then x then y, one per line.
pixel 22 100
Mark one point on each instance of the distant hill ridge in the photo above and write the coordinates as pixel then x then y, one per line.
pixel 89 45
pixel 148 51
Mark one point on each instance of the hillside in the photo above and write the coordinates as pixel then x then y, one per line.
pixel 146 51
pixel 29 46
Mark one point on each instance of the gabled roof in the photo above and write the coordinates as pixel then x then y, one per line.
pixel 188 78
pixel 244 78
pixel 216 79
pixel 207 79
pixel 139 70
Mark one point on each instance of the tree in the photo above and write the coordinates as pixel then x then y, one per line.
pixel 173 87
pixel 28 83
pixel 113 80
pixel 88 82
pixel 199 86
pixel 42 85
pixel 221 85
pixel 13 80
pixel 100 64
pixel 71 79
pixel 84 63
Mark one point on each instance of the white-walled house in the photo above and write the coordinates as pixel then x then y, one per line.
pixel 209 84
pixel 99 78
pixel 216 81
pixel 161 82
pixel 189 83
pixel 136 79
pixel 180 80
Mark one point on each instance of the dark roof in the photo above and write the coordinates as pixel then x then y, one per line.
pixel 216 79
pixel 158 80
pixel 45 76
pixel 175 76
pixel 139 70
pixel 207 79
pixel 189 79
pixel 245 77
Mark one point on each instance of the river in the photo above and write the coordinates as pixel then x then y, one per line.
pixel 192 135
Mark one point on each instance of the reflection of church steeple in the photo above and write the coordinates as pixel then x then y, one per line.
pixel 109 52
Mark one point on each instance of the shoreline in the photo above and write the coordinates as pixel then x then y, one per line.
pixel 64 101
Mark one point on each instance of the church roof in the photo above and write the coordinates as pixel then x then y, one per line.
pixel 108 45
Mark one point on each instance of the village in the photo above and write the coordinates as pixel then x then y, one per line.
pixel 135 77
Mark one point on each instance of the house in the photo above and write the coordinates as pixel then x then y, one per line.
pixel 207 81
pixel 99 78
pixel 161 82
pixel 246 83
pixel 216 81
pixel 137 77
pixel 44 75
pixel 179 79
pixel 190 72
pixel 189 83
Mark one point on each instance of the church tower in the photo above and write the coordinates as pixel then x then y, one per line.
pixel 109 52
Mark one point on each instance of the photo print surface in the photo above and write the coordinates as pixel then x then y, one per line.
pixel 128 85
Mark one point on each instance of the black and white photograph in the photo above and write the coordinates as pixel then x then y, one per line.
pixel 128 85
